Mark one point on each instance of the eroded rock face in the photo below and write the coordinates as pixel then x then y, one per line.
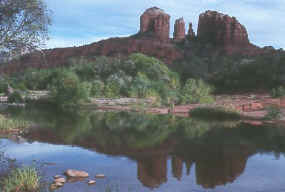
pixel 191 33
pixel 179 30
pixel 224 31
pixel 155 21
pixel 221 29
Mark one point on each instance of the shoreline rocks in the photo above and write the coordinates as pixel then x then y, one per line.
pixel 76 173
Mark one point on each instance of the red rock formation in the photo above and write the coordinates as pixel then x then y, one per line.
pixel 155 21
pixel 191 33
pixel 224 31
pixel 165 51
pixel 153 40
pixel 179 30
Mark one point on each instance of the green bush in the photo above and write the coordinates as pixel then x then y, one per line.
pixel 67 90
pixel 278 92
pixel 22 179
pixel 273 112
pixel 217 113
pixel 3 86
pixel 97 89
pixel 196 91
pixel 15 97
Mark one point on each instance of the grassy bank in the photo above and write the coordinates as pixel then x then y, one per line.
pixel 8 124
pixel 21 180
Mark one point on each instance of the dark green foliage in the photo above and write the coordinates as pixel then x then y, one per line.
pixel 15 98
pixel 278 92
pixel 3 86
pixel 137 76
pixel 263 72
pixel 273 112
pixel 97 89
pixel 196 91
pixel 66 89
pixel 217 113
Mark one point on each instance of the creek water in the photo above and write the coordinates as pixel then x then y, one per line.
pixel 144 152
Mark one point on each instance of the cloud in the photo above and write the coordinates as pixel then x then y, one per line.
pixel 76 22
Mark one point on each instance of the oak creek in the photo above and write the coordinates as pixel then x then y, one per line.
pixel 144 152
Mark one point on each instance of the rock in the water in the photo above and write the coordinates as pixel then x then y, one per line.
pixel 57 176
pixel 91 182
pixel 56 185
pixel 100 176
pixel 75 179
pixel 76 173
pixel 60 180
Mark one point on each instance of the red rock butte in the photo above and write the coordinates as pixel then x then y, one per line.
pixel 224 32
pixel 179 30
pixel 155 22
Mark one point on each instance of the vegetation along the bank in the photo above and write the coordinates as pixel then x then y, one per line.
pixel 137 76
pixel 24 179
pixel 8 124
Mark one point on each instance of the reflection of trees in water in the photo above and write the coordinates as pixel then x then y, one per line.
pixel 219 150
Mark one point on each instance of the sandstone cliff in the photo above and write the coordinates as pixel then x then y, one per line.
pixel 191 33
pixel 155 22
pixel 179 30
pixel 224 32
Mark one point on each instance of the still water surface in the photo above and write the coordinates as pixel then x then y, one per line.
pixel 159 153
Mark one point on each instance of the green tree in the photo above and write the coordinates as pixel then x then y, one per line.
pixel 67 90
pixel 196 91
pixel 23 26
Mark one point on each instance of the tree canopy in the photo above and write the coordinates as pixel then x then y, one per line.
pixel 23 26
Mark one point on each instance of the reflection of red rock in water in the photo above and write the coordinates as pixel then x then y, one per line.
pixel 177 166
pixel 152 172
pixel 221 167
pixel 189 164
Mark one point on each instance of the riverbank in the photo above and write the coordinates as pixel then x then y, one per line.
pixel 251 105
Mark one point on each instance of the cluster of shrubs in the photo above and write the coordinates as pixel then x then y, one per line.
pixel 137 76
pixel 235 73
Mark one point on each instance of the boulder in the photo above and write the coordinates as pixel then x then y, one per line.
pixel 100 176
pixel 76 173
pixel 91 182
pixel 57 176
pixel 60 180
